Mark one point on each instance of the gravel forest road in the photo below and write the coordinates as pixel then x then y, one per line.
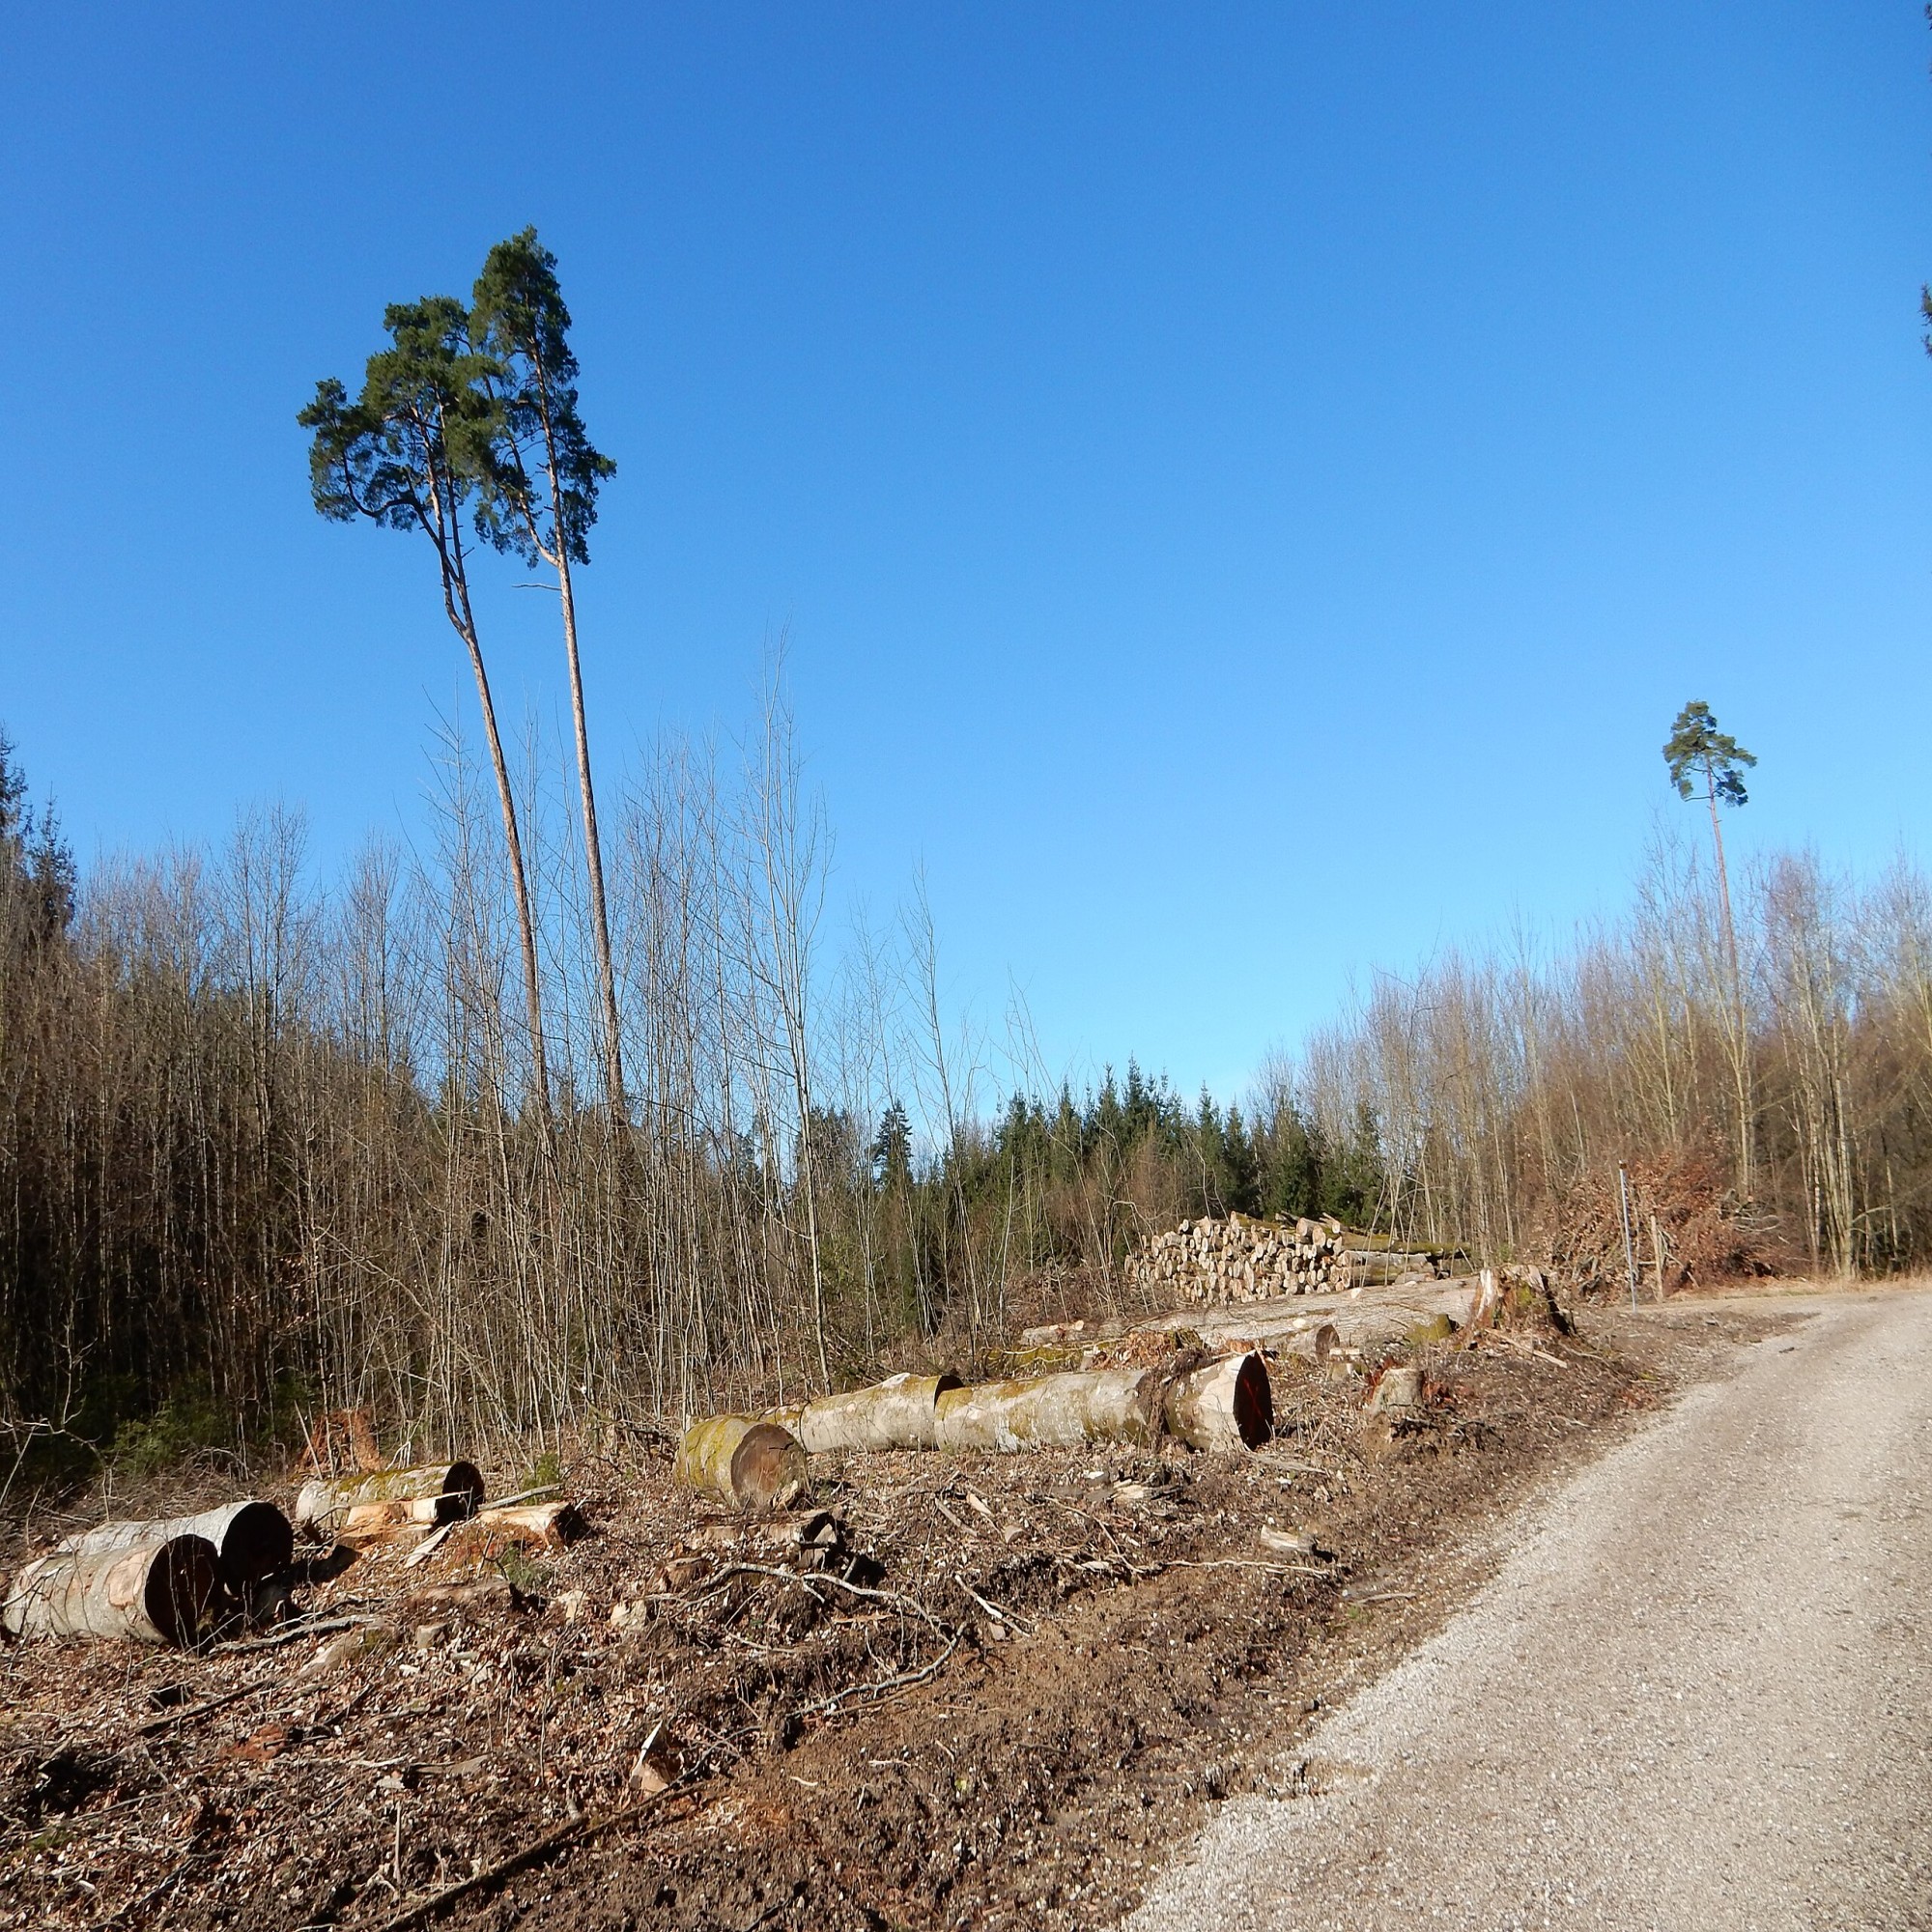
pixel 1697 1694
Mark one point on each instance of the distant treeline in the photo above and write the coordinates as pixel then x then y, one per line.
pixel 267 1148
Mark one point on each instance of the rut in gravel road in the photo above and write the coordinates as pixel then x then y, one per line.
pixel 1696 1695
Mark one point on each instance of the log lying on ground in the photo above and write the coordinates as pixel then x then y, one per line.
pixel 900 1413
pixel 165 1592
pixel 434 1492
pixel 1221 1405
pixel 490 1531
pixel 1224 1406
pixel 251 1539
pixel 758 1465
pixel 1059 1412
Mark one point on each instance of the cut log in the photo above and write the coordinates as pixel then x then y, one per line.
pixel 164 1592
pixel 1059 1412
pixel 900 1413
pixel 251 1539
pixel 448 1491
pixel 758 1465
pixel 368 1522
pixel 1223 1405
pixel 781 1536
pixel 490 1531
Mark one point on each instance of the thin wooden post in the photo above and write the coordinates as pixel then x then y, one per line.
pixel 1630 1249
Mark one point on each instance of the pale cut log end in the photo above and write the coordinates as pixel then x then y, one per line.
pixel 1227 1405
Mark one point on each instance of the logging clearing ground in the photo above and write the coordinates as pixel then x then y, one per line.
pixel 1019 1693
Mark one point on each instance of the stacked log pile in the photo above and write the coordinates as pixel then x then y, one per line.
pixel 1243 1259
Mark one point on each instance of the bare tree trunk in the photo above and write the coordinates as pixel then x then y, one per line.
pixel 1740 1051
pixel 457 608
pixel 593 849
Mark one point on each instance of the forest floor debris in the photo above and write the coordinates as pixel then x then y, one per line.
pixel 964 1688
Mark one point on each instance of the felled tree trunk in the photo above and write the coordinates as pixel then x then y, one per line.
pixel 758 1465
pixel 435 1492
pixel 1221 1405
pixel 1224 1405
pixel 251 1539
pixel 164 1592
pixel 900 1413
pixel 1048 1411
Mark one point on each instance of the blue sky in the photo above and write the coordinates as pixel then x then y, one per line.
pixel 1246 488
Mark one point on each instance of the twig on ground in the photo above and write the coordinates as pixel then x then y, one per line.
pixel 170 1721
pixel 1238 1563
pixel 577 1831
pixel 993 1611
pixel 323 1627
pixel 889 1685
pixel 806 1581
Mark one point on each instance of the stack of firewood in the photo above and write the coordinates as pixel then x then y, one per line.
pixel 1240 1258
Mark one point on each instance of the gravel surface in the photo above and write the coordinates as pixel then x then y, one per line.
pixel 1696 1695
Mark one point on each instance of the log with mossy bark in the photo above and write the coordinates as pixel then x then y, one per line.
pixel 431 1493
pixel 1214 1406
pixel 164 1592
pixel 900 1413
pixel 757 1465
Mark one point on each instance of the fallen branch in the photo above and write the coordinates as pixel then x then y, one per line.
pixel 722 1576
pixel 888 1686
pixel 154 1892
pixel 1523 1347
pixel 293 1635
pixel 170 1721
pixel 1237 1563
pixel 993 1611
pixel 578 1830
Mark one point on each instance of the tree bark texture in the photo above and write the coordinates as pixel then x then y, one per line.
pixel 448 1491
pixel 1220 1405
pixel 250 1538
pixel 900 1413
pixel 166 1592
pixel 758 1465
